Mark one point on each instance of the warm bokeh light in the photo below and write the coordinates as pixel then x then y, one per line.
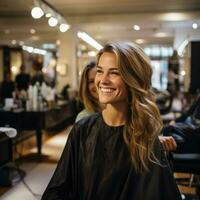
pixel 52 21
pixel 64 27
pixel 37 12
pixel 136 27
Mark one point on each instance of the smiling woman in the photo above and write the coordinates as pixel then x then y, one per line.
pixel 124 83
pixel 110 85
pixel 116 154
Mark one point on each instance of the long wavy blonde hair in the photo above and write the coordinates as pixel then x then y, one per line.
pixel 144 123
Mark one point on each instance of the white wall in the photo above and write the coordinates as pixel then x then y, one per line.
pixel 67 57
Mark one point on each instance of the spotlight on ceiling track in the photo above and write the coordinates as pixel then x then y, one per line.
pixel 37 12
pixel 52 21
pixel 42 7
pixel 64 27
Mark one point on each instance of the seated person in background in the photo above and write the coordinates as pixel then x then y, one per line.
pixel 22 79
pixel 7 87
pixel 65 92
pixel 186 129
pixel 171 80
pixel 89 97
pixel 164 101
pixel 193 112
pixel 38 75
pixel 87 92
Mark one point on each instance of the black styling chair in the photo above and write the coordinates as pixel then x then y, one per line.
pixel 164 101
pixel 186 158
pixel 9 174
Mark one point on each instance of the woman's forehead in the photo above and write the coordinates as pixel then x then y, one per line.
pixel 107 59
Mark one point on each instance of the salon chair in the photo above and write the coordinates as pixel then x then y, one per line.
pixel 164 101
pixel 188 162
pixel 186 158
pixel 9 174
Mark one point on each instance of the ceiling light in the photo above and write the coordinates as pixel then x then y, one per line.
pixel 52 21
pixel 34 50
pixel 42 7
pixel 139 41
pixel 27 48
pixel 48 15
pixel 136 27
pixel 13 42
pixel 39 51
pixel 85 37
pixel 173 16
pixel 160 34
pixel 37 12
pixel 64 27
pixel 32 31
pixel 194 26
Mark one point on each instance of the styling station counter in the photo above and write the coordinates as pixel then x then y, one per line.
pixel 38 120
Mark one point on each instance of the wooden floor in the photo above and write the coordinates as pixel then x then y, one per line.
pixel 186 188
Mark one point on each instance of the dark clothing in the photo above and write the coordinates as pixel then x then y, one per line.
pixel 186 130
pixel 7 88
pixel 22 81
pixel 37 78
pixel 96 165
pixel 193 111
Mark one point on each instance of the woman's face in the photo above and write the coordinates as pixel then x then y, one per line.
pixel 109 83
pixel 91 85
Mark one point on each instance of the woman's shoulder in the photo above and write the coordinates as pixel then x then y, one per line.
pixel 82 114
pixel 82 128
pixel 88 120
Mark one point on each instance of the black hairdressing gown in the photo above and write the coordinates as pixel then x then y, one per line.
pixel 96 165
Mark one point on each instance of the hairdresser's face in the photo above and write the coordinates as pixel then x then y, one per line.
pixel 91 85
pixel 110 86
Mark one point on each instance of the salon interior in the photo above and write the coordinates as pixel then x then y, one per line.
pixel 51 41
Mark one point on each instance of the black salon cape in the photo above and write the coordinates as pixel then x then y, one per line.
pixel 96 165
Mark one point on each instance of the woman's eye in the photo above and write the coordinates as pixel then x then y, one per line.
pixel 115 73
pixel 99 71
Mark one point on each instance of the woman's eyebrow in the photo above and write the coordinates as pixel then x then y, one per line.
pixel 110 69
pixel 113 69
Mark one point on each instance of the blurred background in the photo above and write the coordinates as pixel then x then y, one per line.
pixel 159 27
pixel 44 47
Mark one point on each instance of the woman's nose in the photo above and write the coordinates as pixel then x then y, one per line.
pixel 105 78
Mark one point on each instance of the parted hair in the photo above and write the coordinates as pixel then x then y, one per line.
pixel 90 103
pixel 144 123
